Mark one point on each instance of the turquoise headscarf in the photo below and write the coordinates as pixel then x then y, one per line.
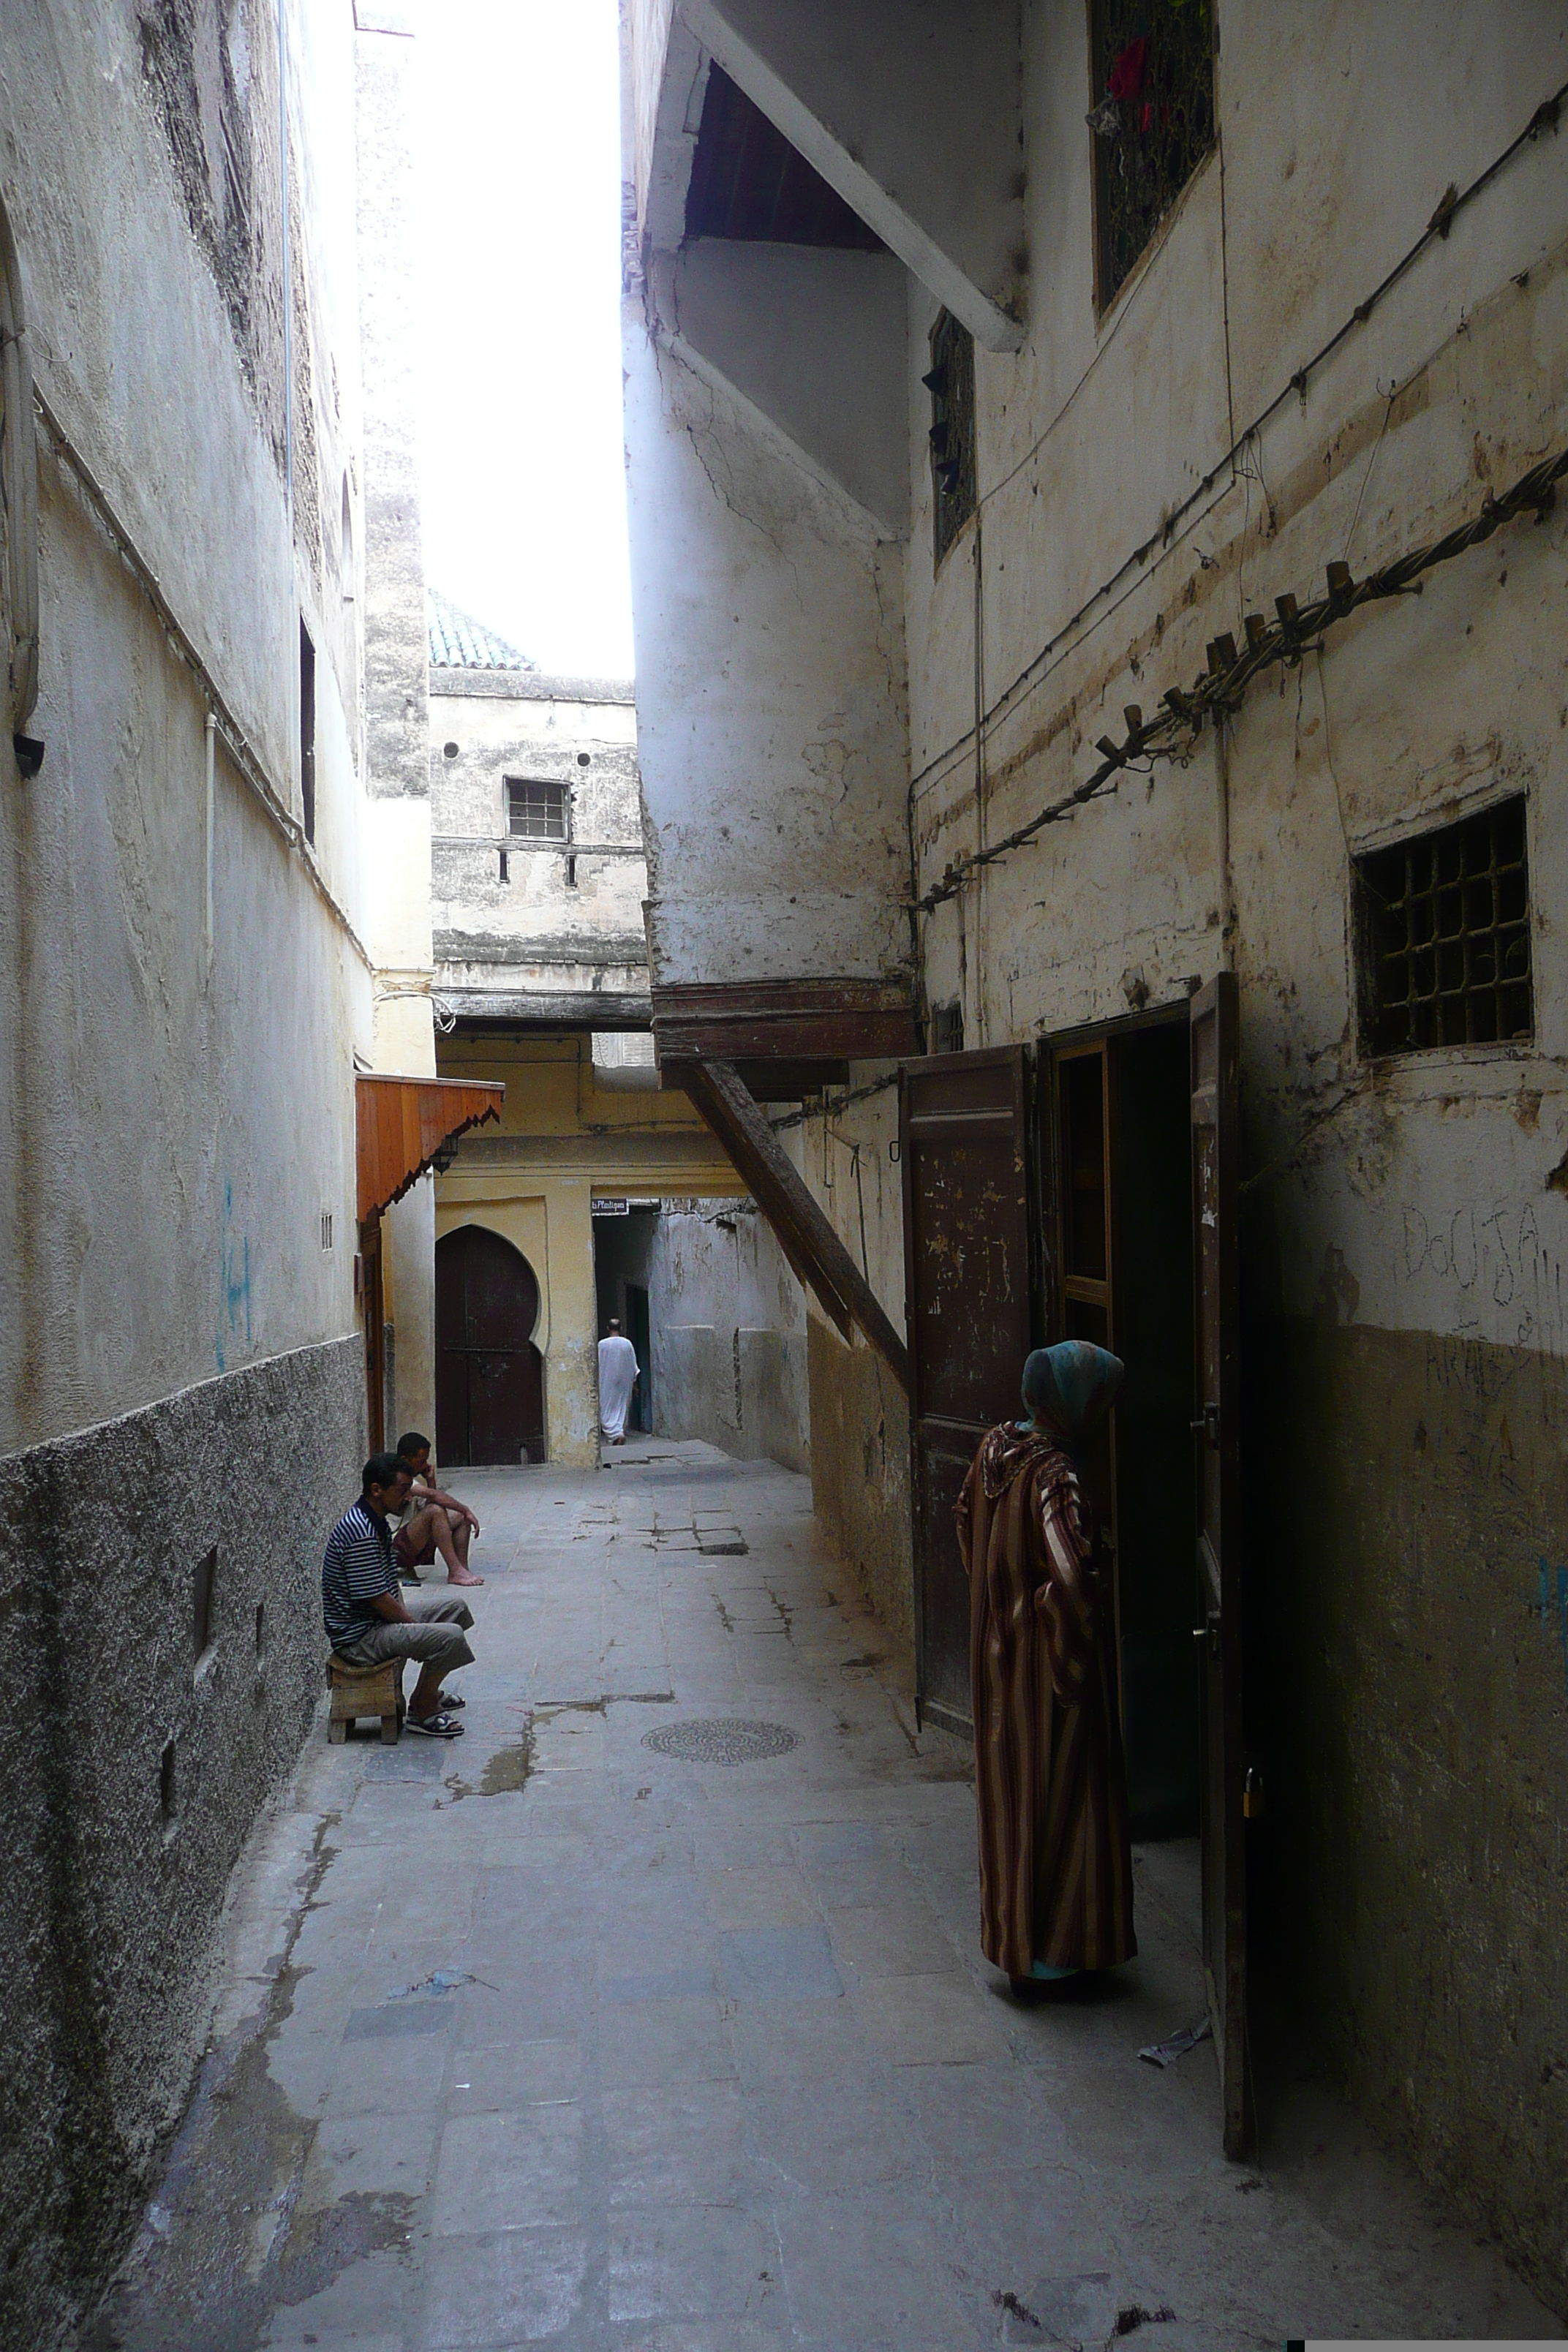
pixel 1072 1387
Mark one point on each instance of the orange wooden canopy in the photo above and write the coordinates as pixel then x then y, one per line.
pixel 402 1124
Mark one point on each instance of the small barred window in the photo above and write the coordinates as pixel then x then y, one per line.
pixel 1442 937
pixel 536 812
pixel 951 384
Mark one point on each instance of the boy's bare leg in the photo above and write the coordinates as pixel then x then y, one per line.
pixel 433 1524
pixel 452 1543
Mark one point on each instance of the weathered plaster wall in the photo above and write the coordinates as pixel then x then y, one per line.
pixel 859 1415
pixel 728 1324
pixel 396 822
pixel 860 1480
pixel 176 1104
pixel 396 652
pixel 176 1124
pixel 770 696
pixel 1401 1516
pixel 1413 1202
pixel 784 326
pixel 566 938
pixel 155 1232
pixel 111 1901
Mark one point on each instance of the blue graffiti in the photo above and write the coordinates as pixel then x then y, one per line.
pixel 1554 1607
pixel 236 1281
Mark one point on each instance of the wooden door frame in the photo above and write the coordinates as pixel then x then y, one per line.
pixel 1218 1577
pixel 1068 1045
pixel 1121 1024
pixel 1082 1049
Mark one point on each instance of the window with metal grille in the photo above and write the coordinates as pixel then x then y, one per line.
pixel 1442 937
pixel 1153 120
pixel 534 811
pixel 951 384
pixel 307 731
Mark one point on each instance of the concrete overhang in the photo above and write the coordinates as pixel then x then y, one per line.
pixel 812 337
pixel 912 109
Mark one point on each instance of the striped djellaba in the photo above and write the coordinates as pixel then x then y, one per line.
pixel 1055 1866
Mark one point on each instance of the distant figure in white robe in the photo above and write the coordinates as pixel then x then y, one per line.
pixel 618 1377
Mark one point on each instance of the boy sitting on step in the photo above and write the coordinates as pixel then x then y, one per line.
pixel 433 1522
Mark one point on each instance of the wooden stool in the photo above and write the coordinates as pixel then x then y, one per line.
pixel 365 1690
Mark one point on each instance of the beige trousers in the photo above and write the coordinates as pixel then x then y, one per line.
pixel 435 1638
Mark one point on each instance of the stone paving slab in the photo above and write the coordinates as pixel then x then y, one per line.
pixel 546 2038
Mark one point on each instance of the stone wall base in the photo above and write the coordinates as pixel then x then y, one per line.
pixel 133 1767
pixel 1407 1704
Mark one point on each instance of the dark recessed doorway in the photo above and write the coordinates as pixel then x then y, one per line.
pixel 490 1376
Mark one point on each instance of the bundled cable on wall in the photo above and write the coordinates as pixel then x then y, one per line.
pixel 1219 689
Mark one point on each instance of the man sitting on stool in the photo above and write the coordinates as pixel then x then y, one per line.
pixel 367 1617
pixel 437 1522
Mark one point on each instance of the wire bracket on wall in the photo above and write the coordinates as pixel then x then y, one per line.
pixel 1220 688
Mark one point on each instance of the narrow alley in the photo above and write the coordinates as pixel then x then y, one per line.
pixel 580 2032
pixel 742 733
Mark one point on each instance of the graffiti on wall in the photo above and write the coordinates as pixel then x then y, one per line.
pixel 1495 1259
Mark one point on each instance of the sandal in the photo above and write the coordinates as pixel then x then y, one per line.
pixel 432 1726
pixel 447 1700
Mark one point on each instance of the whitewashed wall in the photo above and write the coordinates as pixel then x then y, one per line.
pixel 1406 1223
pixel 176 1104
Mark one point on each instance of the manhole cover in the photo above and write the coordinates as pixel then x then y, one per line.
pixel 725 1740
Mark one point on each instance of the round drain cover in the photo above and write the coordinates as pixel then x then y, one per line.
pixel 726 1739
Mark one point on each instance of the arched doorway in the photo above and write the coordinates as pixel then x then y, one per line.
pixel 490 1376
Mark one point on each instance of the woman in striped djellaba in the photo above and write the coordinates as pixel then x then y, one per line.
pixel 1056 1867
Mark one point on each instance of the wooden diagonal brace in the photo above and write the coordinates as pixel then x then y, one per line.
pixel 804 1232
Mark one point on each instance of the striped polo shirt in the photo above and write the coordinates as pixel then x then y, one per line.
pixel 357 1567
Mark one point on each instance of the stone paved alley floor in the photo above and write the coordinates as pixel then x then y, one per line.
pixel 546 2038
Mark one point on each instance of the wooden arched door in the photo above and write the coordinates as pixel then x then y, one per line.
pixel 490 1376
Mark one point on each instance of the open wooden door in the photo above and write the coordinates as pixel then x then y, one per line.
pixel 963 1126
pixel 1215 1088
